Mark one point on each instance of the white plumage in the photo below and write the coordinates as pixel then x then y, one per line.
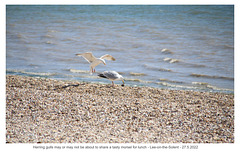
pixel 95 61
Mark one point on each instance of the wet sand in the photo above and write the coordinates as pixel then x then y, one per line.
pixel 40 110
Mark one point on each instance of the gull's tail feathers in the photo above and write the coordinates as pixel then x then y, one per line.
pixel 102 76
pixel 78 54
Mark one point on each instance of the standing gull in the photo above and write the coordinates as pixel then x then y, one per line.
pixel 95 61
pixel 111 75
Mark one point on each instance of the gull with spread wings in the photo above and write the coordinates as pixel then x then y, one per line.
pixel 95 61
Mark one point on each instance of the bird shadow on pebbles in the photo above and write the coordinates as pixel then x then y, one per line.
pixel 66 86
pixel 87 88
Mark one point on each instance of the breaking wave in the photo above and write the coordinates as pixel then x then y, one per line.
pixel 157 69
pixel 78 71
pixel 137 74
pixel 22 72
pixel 211 77
pixel 186 64
pixel 171 60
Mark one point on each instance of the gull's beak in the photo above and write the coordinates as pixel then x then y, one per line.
pixel 123 82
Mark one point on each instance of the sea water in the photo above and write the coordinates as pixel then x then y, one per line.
pixel 166 46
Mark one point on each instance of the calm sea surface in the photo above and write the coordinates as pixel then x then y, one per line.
pixel 173 47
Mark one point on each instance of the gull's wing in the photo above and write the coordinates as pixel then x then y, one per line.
pixel 108 57
pixel 88 56
pixel 112 75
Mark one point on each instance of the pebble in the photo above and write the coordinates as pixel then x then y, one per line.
pixel 40 110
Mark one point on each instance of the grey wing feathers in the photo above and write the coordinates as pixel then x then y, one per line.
pixel 110 75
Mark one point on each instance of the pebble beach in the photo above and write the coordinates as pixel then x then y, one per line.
pixel 42 110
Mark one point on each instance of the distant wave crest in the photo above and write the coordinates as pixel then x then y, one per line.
pixel 210 76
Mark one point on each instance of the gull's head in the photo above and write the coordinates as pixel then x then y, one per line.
pixel 121 78
pixel 123 83
pixel 103 61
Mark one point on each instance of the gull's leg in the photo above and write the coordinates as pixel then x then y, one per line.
pixel 112 84
pixel 94 70
pixel 91 70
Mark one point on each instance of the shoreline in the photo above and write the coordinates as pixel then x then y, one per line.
pixel 41 110
pixel 132 82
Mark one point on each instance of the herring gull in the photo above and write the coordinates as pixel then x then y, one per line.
pixel 95 61
pixel 111 75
